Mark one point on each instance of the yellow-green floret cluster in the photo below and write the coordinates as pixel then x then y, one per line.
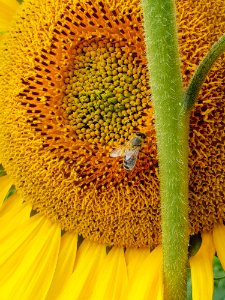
pixel 106 92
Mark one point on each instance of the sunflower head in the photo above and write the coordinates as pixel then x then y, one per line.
pixel 74 86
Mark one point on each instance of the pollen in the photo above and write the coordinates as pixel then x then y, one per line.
pixel 105 92
pixel 75 85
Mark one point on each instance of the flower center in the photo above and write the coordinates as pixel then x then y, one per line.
pixel 107 92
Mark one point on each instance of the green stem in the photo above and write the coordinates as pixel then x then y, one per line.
pixel 172 124
pixel 200 74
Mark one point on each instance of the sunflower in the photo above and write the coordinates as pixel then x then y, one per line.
pixel 75 85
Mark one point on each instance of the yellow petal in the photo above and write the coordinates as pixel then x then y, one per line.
pixel 112 280
pixel 13 240
pixel 146 280
pixel 28 257
pixel 219 242
pixel 12 215
pixel 8 9
pixel 65 264
pixel 202 270
pixel 11 4
pixel 134 259
pixel 89 257
pixel 5 184
pixel 12 206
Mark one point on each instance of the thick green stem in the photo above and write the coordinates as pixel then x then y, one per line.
pixel 200 74
pixel 172 123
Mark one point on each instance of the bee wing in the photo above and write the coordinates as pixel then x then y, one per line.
pixel 130 158
pixel 129 154
pixel 120 151
pixel 117 152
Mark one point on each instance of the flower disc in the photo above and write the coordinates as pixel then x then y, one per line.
pixel 74 85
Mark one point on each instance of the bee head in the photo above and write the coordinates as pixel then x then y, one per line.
pixel 140 134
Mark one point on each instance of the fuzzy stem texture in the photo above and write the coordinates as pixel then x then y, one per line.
pixel 172 124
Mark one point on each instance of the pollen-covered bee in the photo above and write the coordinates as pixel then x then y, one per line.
pixel 130 150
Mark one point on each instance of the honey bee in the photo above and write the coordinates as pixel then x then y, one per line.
pixel 130 150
